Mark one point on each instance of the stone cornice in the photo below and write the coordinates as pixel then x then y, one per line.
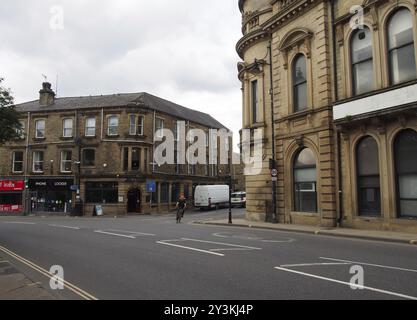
pixel 249 39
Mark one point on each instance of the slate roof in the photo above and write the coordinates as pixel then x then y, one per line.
pixel 142 99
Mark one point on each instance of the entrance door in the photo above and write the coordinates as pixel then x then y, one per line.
pixel 134 201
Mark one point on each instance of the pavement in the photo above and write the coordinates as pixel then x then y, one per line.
pixel 153 258
pixel 388 236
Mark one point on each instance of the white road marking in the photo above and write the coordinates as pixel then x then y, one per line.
pixel 189 248
pixel 114 234
pixel 370 264
pixel 348 284
pixel 226 235
pixel 64 227
pixel 223 244
pixel 28 223
pixel 134 232
pixel 315 264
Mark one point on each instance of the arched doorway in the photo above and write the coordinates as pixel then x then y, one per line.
pixel 134 201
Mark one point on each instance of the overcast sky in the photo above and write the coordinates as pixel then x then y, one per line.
pixel 180 50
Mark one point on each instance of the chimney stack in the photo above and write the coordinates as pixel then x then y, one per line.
pixel 46 95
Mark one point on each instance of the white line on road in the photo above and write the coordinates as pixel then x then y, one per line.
pixel 189 248
pixel 223 244
pixel 64 227
pixel 370 264
pixel 134 232
pixel 114 234
pixel 28 223
pixel 348 284
pixel 315 264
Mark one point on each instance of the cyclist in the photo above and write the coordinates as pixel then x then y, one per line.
pixel 181 206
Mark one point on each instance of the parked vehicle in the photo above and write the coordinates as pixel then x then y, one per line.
pixel 208 197
pixel 239 199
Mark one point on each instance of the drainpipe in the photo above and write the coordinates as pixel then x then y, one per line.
pixel 338 138
pixel 26 176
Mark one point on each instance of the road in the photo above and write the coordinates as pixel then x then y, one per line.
pixel 153 258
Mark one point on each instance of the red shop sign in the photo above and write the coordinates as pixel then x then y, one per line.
pixel 12 185
pixel 10 208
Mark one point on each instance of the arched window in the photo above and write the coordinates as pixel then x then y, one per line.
pixel 299 76
pixel 369 188
pixel 401 53
pixel 362 61
pixel 406 170
pixel 305 182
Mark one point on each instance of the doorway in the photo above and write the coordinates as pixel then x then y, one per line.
pixel 134 201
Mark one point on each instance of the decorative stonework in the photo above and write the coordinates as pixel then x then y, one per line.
pixel 297 40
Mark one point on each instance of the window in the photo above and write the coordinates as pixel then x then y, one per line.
pixel 299 76
pixel 362 61
pixel 401 53
pixel 125 159
pixel 90 127
pixel 159 124
pixel 101 192
pixel 17 161
pixel 255 103
pixel 406 171
pixel 141 125
pixel 67 128
pixel 66 161
pixel 40 129
pixel 89 157
pixel 176 131
pixel 113 126
pixel 37 161
pixel 21 131
pixel 164 192
pixel 132 125
pixel 369 190
pixel 305 182
pixel 136 158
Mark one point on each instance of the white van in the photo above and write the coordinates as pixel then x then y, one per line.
pixel 207 197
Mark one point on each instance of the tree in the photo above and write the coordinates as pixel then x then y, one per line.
pixel 9 118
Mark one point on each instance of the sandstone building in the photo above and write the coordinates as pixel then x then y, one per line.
pixel 105 145
pixel 340 80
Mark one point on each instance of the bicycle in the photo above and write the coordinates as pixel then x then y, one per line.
pixel 180 214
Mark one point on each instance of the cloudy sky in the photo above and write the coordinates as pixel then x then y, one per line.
pixel 180 50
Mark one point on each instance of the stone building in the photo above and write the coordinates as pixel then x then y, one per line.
pixel 342 77
pixel 105 145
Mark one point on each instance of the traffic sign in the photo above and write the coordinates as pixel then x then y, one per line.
pixel 274 173
pixel 151 186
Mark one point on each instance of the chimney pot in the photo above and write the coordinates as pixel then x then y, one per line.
pixel 46 95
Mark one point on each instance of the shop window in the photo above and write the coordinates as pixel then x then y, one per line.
pixel 406 172
pixel 67 128
pixel 90 127
pixel 401 51
pixel 38 161
pixel 17 161
pixel 305 182
pixel 113 126
pixel 369 190
pixel 136 158
pixel 362 61
pixel 89 157
pixel 299 76
pixel 40 129
pixel 102 192
pixel 66 161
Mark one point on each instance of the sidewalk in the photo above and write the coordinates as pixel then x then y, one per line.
pixel 16 286
pixel 388 236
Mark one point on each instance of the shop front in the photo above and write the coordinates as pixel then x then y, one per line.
pixel 51 195
pixel 11 195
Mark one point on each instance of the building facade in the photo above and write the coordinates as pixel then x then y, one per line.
pixel 100 150
pixel 344 99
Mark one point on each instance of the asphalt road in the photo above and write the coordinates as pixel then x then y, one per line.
pixel 153 258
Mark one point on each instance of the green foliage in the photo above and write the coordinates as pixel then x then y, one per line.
pixel 9 117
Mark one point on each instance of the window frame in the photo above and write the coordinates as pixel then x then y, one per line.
pixel 162 121
pixel 83 157
pixel 296 108
pixel 254 92
pixel 87 127
pixel 63 162
pixel 109 126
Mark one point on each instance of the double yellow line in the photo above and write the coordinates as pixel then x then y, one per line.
pixel 49 275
